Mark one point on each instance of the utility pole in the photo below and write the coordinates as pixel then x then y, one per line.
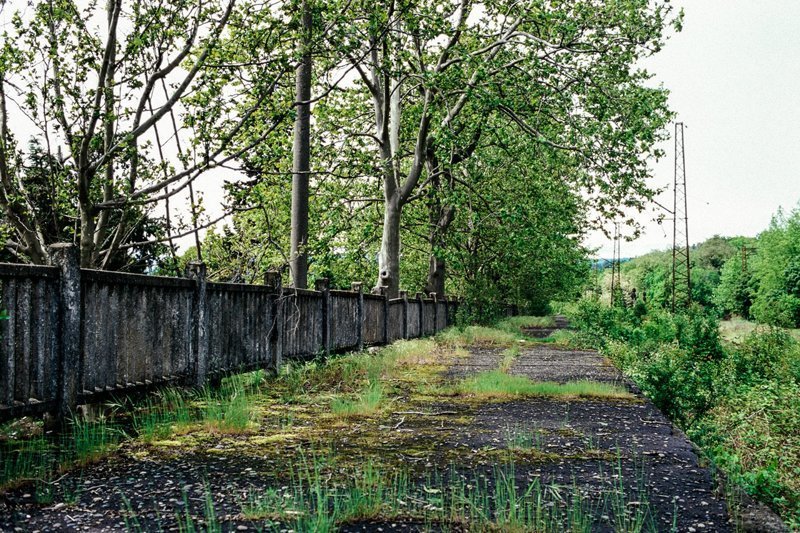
pixel 745 251
pixel 616 273
pixel 301 150
pixel 681 268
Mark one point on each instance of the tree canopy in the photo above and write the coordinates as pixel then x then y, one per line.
pixel 453 146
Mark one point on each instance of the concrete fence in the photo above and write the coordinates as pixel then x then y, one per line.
pixel 75 335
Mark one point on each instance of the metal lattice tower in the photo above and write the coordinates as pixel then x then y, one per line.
pixel 616 262
pixel 681 268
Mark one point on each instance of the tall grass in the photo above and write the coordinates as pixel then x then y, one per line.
pixel 41 459
pixel 158 417
pixel 88 441
pixel 479 335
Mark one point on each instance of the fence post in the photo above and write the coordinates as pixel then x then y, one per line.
pixel 322 285
pixel 435 313
pixel 65 257
pixel 404 296
pixel 272 279
pixel 421 304
pixel 446 312
pixel 385 294
pixel 196 271
pixel 358 287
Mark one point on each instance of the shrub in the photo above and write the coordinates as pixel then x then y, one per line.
pixel 682 385
pixel 698 331
pixel 777 309
pixel 765 355
pixel 754 436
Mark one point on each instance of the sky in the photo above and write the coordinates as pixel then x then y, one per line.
pixel 734 79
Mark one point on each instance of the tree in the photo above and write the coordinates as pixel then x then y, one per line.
pixel 734 294
pixel 102 101
pixel 774 266
pixel 408 52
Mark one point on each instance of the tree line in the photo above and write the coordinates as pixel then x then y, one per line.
pixel 456 146
pixel 756 278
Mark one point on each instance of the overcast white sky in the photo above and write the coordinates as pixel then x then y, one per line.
pixel 734 77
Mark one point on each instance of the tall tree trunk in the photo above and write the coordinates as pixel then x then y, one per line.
pixel 88 225
pixel 389 255
pixel 302 157
pixel 439 219
pixel 102 230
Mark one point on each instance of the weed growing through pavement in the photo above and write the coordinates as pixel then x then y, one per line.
pixel 41 459
pixel 509 356
pixel 366 403
pixel 229 411
pixel 523 438
pixel 498 384
pixel 316 500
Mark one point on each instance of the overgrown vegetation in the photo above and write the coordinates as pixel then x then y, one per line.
pixel 39 459
pixel 751 278
pixel 738 401
pixel 322 496
pixel 321 490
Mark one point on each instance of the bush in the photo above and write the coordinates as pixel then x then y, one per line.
pixel 742 406
pixel 678 382
pixel 697 330
pixel 755 437
pixel 777 309
pixel 765 355
pixel 673 358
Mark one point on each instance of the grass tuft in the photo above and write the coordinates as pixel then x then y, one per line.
pixel 365 404
pixel 230 411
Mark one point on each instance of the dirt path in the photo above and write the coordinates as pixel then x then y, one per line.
pixel 627 464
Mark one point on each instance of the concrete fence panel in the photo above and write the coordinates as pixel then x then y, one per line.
pixel 73 335
pixel 29 365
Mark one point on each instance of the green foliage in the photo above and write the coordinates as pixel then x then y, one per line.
pixel 673 358
pixel 765 355
pixel 228 410
pixel 754 436
pixel 775 267
pixel 40 458
pixel 651 274
pixel 734 294
pixel 739 403
pixel 368 402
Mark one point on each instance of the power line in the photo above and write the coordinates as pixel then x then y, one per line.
pixel 681 268
pixel 616 267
